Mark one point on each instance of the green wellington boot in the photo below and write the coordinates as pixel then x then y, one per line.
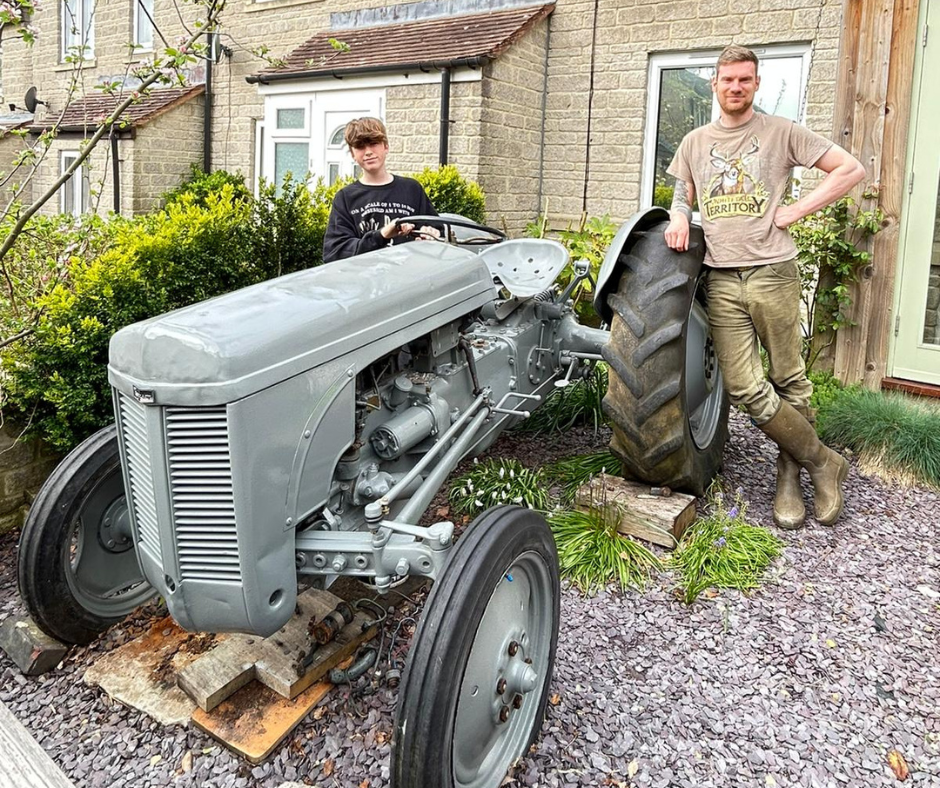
pixel 789 511
pixel 827 469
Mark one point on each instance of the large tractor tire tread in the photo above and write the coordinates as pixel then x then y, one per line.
pixel 646 397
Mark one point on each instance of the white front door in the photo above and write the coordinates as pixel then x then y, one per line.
pixel 306 133
pixel 916 347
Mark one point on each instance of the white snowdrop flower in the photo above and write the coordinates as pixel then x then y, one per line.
pixel 517 499
pixel 476 461
pixel 470 485
pixel 502 472
pixel 512 473
pixel 478 503
pixel 493 494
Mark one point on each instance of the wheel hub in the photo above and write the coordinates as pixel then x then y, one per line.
pixel 517 678
pixel 114 529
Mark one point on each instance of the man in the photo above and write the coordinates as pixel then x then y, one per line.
pixel 363 213
pixel 739 166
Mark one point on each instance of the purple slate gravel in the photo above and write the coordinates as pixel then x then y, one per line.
pixel 810 681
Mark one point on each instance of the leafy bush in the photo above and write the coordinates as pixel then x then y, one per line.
pixel 830 253
pixel 826 388
pixel 723 549
pixel 450 192
pixel 589 241
pixel 39 260
pixel 291 222
pixel 201 184
pixel 662 195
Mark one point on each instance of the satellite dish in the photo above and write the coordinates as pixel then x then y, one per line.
pixel 31 101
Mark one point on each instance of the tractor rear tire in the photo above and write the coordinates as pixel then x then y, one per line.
pixel 665 398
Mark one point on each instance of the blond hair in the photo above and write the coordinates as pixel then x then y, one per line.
pixel 365 131
pixel 734 53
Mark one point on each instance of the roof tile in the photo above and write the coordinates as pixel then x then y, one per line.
pixel 88 112
pixel 430 43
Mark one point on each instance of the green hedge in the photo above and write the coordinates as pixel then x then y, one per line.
pixel 88 279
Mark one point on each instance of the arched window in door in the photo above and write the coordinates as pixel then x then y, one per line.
pixel 339 163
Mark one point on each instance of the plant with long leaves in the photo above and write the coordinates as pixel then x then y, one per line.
pixel 498 481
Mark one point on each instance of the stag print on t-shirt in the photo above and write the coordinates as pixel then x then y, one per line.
pixel 735 187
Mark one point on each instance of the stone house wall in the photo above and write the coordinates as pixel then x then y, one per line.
pixel 24 466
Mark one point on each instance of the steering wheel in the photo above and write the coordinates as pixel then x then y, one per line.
pixel 448 222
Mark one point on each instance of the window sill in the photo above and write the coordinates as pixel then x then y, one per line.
pixel 88 63
pixel 264 5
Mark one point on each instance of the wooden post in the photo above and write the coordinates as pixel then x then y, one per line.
pixel 872 122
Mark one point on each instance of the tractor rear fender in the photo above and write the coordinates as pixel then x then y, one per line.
pixel 612 267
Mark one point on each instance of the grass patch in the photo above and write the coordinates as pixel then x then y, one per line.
pixel 723 550
pixel 573 472
pixel 894 435
pixel 577 404
pixel 498 481
pixel 592 554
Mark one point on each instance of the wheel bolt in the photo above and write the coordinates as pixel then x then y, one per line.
pixel 513 648
pixel 504 713
pixel 500 686
pixel 517 701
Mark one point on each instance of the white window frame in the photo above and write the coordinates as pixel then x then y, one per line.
pixel 664 61
pixel 78 186
pixel 259 155
pixel 84 15
pixel 141 18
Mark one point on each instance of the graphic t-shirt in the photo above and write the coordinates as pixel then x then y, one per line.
pixel 740 176
pixel 360 212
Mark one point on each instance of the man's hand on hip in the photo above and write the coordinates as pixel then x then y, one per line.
pixel 785 215
pixel 677 233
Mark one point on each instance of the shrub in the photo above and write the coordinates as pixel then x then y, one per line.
pixel 662 195
pixel 589 241
pixel 826 388
pixel 450 192
pixel 579 403
pixel 201 184
pixel 291 222
pixel 57 378
pixel 574 472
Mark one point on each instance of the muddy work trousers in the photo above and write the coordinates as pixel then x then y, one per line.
pixel 753 307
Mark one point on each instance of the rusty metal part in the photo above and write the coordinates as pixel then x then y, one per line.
pixel 513 648
pixel 663 492
pixel 331 624
pixel 504 713
pixel 500 686
pixel 517 700
pixel 393 678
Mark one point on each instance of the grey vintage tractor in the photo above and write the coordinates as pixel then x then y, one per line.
pixel 298 429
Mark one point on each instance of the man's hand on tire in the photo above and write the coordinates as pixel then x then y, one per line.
pixel 677 233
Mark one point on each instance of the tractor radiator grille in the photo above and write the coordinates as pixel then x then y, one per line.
pixel 201 492
pixel 140 471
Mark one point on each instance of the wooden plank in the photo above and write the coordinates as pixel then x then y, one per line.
pixel 893 182
pixel 274 660
pixel 143 672
pixel 255 720
pixel 657 519
pixel 824 344
pixel 874 58
pixel 23 763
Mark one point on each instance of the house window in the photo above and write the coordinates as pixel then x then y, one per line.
pixel 291 118
pixel 339 163
pixel 76 191
pixel 680 99
pixel 143 24
pixel 78 29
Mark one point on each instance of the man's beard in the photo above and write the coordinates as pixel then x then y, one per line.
pixel 737 110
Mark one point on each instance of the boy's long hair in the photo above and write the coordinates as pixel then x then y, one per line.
pixel 365 131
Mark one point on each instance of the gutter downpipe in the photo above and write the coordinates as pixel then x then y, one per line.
pixel 445 115
pixel 207 111
pixel 548 42
pixel 116 173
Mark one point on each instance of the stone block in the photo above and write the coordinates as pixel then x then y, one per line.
pixel 33 651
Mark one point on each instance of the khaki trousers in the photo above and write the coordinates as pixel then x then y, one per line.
pixel 753 307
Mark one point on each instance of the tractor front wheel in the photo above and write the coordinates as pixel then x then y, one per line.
pixel 474 694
